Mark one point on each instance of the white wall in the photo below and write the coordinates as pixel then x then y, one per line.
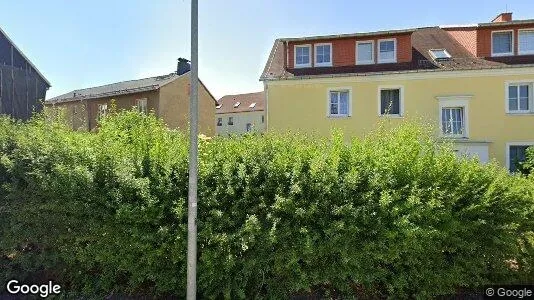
pixel 240 122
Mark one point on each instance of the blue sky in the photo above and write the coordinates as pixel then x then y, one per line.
pixel 78 44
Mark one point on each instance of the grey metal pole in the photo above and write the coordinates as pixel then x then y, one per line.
pixel 193 160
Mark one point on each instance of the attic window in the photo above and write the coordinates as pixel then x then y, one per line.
pixel 237 104
pixel 252 105
pixel 439 54
pixel 218 106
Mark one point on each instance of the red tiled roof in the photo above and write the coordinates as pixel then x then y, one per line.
pixel 227 103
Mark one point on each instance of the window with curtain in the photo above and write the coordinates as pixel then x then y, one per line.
pixel 364 53
pixel 322 55
pixel 302 56
pixel 390 102
pixel 339 103
pixel 526 42
pixel 519 97
pixel 386 51
pixel 452 121
pixel 502 43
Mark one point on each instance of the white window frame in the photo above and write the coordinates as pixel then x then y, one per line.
pixel 507 85
pixel 138 103
pixel 401 100
pixel 308 65
pixel 102 110
pixel 507 150
pixel 454 102
pixel 431 51
pixel 316 64
pixel 349 109
pixel 493 54
pixel 384 61
pixel 366 62
pixel 519 52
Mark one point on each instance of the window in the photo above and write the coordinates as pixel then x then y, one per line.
pixel 252 105
pixel 339 103
pixel 439 54
pixel 102 110
pixel 142 105
pixel 230 120
pixel 262 119
pixel 452 121
pixel 453 116
pixel 237 104
pixel 219 121
pixel 323 55
pixel 390 101
pixel 302 56
pixel 502 43
pixel 248 127
pixel 526 41
pixel 218 106
pixel 519 98
pixel 365 53
pixel 387 51
pixel 516 154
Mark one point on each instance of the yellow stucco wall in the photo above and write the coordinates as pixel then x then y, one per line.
pixel 240 122
pixel 302 104
pixel 174 106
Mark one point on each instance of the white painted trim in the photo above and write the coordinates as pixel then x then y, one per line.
pixel 316 64
pixel 338 89
pixel 384 61
pixel 513 44
pixel 454 101
pixel 507 150
pixel 401 100
pixel 308 65
pixel 365 62
pixel 415 75
pixel 529 82
pixel 519 52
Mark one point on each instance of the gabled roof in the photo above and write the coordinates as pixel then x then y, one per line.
pixel 118 88
pixel 247 102
pixel 423 40
pixel 24 56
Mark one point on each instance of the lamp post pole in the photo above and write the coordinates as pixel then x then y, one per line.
pixel 193 160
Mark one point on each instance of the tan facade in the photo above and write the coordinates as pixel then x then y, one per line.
pixel 170 102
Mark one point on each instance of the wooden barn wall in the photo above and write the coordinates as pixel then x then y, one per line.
pixel 21 88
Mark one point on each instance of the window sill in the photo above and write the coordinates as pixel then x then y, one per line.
pixel 338 116
pixel 387 61
pixel 392 116
pixel 530 113
pixel 526 53
pixel 502 54
pixel 302 66
pixel 362 63
pixel 323 65
pixel 453 137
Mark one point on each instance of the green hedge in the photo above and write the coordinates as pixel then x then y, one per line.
pixel 393 214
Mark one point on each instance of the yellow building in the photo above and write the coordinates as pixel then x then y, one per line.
pixel 475 83
pixel 167 96
pixel 238 114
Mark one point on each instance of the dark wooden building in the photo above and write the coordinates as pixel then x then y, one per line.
pixel 22 87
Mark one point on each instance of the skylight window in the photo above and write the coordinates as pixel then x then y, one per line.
pixel 237 104
pixel 252 105
pixel 218 106
pixel 439 54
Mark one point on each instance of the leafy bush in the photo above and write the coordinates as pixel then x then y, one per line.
pixel 393 214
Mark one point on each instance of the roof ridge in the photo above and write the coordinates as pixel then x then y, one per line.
pixel 124 81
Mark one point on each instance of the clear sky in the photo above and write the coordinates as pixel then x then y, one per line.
pixel 84 43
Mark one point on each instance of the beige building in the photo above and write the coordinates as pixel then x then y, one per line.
pixel 238 114
pixel 167 96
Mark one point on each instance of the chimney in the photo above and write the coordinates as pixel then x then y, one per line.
pixel 183 66
pixel 504 17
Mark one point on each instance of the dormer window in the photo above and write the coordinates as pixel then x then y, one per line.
pixel 237 104
pixel 387 51
pixel 252 105
pixel 365 52
pixel 323 55
pixel 439 54
pixel 218 106
pixel 302 56
pixel 502 43
pixel 526 41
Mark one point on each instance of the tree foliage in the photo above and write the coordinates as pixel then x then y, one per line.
pixel 394 214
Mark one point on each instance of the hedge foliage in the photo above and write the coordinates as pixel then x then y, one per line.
pixel 394 214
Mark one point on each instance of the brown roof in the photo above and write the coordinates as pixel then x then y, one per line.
pixel 423 40
pixel 227 103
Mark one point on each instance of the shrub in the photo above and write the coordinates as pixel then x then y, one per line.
pixel 392 214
